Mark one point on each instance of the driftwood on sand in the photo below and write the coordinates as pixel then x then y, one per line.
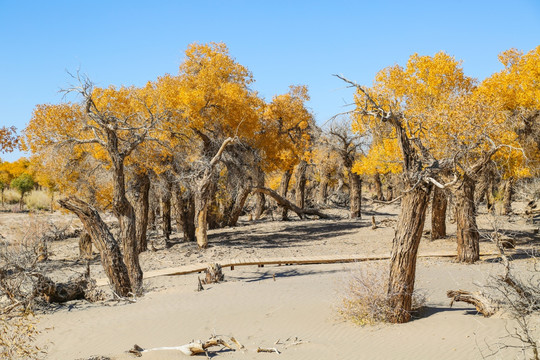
pixel 482 303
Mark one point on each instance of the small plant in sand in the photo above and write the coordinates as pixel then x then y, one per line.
pixel 365 299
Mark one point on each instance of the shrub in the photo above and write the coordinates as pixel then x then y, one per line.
pixel 11 196
pixel 365 299
pixel 38 200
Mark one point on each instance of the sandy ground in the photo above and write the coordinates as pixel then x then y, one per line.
pixel 300 305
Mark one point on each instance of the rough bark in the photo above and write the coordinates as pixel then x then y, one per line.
pixel 468 248
pixel 404 250
pixel 508 194
pixel 355 191
pixel 141 189
pixel 301 184
pixel 85 246
pixel 109 250
pixel 438 214
pixel 378 187
pixel 289 205
pixel 283 188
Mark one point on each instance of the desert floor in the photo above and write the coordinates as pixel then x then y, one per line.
pixel 290 308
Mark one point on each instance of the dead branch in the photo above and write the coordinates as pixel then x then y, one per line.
pixel 483 304
pixel 287 204
pixel 268 350
pixel 190 349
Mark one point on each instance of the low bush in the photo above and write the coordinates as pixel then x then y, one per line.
pixel 38 200
pixel 365 299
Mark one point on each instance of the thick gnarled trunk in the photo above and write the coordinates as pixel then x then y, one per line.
pixel 109 250
pixel 404 250
pixel 468 248
pixel 438 214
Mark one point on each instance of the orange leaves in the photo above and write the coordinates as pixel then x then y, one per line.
pixel 8 139
pixel 286 129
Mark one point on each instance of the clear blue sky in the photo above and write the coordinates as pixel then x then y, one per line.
pixel 281 42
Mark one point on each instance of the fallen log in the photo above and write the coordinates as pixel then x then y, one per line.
pixel 193 348
pixel 289 205
pixel 483 304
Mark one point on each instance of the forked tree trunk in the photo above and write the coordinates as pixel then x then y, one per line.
pixel 508 194
pixel 378 187
pixel 468 248
pixel 355 191
pixel 301 184
pixel 141 190
pixel 283 188
pixel 109 250
pixel 206 186
pixel 404 250
pixel 438 214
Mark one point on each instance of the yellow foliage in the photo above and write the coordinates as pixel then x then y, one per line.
pixel 383 158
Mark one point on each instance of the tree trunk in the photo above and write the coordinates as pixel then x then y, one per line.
pixel 125 214
pixel 301 184
pixel 186 212
pixel 111 256
pixel 468 249
pixel 85 246
pixel 378 187
pixel 283 188
pixel 203 198
pixel 508 193
pixel 404 250
pixel 241 198
pixel 438 214
pixel 166 211
pixel 323 190
pixel 141 190
pixel 355 191
pixel 389 193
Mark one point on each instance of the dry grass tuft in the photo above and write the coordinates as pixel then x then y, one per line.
pixel 38 200
pixel 365 299
pixel 11 196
